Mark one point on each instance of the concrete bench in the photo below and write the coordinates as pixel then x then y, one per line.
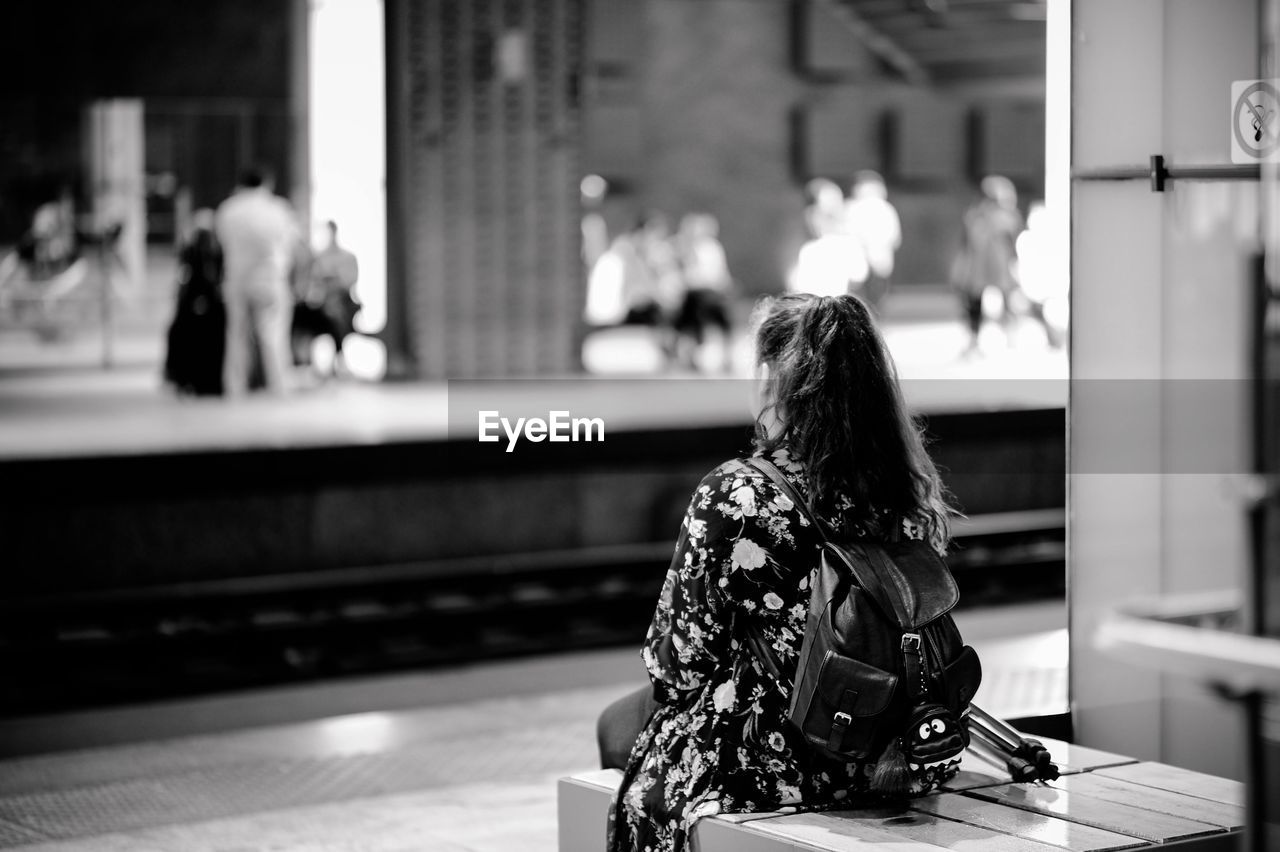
pixel 1102 802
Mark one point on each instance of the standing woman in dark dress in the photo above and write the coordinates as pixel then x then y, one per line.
pixel 833 420
pixel 198 333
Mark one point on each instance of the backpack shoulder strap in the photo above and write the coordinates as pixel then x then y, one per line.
pixel 866 577
pixel 770 470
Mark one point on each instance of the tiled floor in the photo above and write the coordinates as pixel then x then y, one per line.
pixel 478 775
pixel 377 768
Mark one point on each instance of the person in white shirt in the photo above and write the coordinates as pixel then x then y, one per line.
pixel 707 284
pixel 832 262
pixel 259 235
pixel 1042 275
pixel 874 222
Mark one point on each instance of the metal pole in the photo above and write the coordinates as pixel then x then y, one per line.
pixel 1255 804
pixel 101 128
pixel 104 275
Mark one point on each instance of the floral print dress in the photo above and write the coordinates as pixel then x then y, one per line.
pixel 719 741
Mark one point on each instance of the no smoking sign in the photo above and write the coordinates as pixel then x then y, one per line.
pixel 1255 121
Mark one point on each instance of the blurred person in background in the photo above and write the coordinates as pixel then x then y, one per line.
pixel 605 304
pixel 714 730
pixel 48 263
pixel 259 235
pixel 663 260
pixel 639 278
pixel 334 271
pixel 198 333
pixel 833 262
pixel 824 208
pixel 53 243
pixel 1042 278
pixel 595 231
pixel 983 268
pixel 707 285
pixel 874 223
pixel 639 288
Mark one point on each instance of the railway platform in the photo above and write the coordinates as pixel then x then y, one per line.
pixel 456 760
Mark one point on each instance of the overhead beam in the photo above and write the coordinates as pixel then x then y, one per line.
pixel 1001 18
pixel 875 8
pixel 973 52
pixel 1028 86
pixel 922 42
pixel 964 72
pixel 877 42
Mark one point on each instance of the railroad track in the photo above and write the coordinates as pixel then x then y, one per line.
pixel 104 647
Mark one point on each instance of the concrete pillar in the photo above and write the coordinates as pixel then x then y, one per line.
pixel 1160 315
pixel 395 335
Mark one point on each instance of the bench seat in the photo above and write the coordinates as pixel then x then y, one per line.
pixel 1103 801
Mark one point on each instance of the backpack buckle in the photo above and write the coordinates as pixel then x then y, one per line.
pixel 842 718
pixel 911 643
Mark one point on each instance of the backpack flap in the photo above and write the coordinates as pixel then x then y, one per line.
pixel 909 581
pixel 843 712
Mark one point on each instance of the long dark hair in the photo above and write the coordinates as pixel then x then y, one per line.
pixel 834 392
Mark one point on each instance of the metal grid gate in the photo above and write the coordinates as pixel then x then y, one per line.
pixel 494 285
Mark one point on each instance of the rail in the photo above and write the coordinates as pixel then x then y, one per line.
pixel 143 642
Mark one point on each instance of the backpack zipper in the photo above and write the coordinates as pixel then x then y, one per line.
pixel 931 643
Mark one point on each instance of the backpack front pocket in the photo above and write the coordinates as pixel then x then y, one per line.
pixel 848 700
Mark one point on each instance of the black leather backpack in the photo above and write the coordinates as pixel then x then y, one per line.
pixel 883 673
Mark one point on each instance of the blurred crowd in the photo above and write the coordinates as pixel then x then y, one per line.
pixel 674 282
pixel 1003 270
pixel 1007 268
pixel 259 307
pixel 677 283
pixel 254 297
pixel 852 241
